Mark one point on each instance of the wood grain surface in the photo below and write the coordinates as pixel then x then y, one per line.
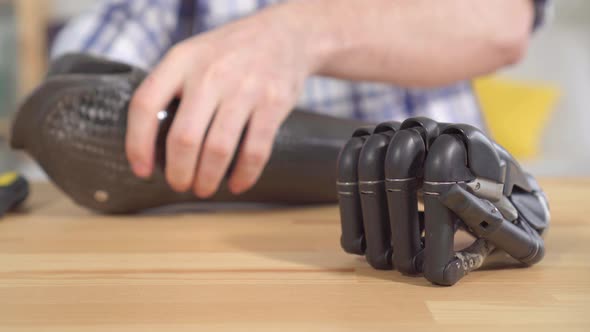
pixel 63 268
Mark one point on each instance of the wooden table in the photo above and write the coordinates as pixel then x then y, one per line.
pixel 65 269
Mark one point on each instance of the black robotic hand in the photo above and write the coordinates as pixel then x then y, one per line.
pixel 467 182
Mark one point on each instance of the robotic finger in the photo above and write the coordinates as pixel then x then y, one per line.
pixel 486 221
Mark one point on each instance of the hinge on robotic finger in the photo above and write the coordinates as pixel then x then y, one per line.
pixel 493 192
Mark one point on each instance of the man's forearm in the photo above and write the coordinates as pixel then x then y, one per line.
pixel 411 42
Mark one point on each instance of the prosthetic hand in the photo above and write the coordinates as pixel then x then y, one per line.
pixel 466 181
pixel 74 126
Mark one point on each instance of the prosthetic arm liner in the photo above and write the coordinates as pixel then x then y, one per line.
pixel 466 181
pixel 74 126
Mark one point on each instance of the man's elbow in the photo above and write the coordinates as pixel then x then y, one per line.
pixel 511 47
pixel 510 34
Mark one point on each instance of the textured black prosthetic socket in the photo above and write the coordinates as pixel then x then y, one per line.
pixel 74 126
pixel 466 181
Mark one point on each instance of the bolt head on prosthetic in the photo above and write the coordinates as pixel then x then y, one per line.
pixel 74 126
pixel 466 182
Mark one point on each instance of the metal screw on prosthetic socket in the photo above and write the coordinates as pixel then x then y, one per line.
pixel 101 196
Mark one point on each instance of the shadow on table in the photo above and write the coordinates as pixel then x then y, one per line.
pixel 357 265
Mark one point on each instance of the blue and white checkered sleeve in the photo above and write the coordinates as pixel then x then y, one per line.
pixel 137 32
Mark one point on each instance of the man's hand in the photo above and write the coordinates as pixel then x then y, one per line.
pixel 251 72
pixel 246 74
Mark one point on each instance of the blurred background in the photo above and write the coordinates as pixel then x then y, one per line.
pixel 538 109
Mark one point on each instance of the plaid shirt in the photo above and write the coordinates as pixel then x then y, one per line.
pixel 140 31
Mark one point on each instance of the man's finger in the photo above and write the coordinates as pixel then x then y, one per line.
pixel 221 144
pixel 186 135
pixel 256 149
pixel 152 96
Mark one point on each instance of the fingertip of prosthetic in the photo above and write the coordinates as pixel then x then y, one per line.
pixel 537 254
pixel 380 262
pixel 410 267
pixel 452 273
pixel 540 254
pixel 353 246
pixel 446 276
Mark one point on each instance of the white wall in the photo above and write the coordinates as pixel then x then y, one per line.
pixel 560 54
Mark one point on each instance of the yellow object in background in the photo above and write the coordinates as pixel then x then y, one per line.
pixel 14 189
pixel 516 112
pixel 8 179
